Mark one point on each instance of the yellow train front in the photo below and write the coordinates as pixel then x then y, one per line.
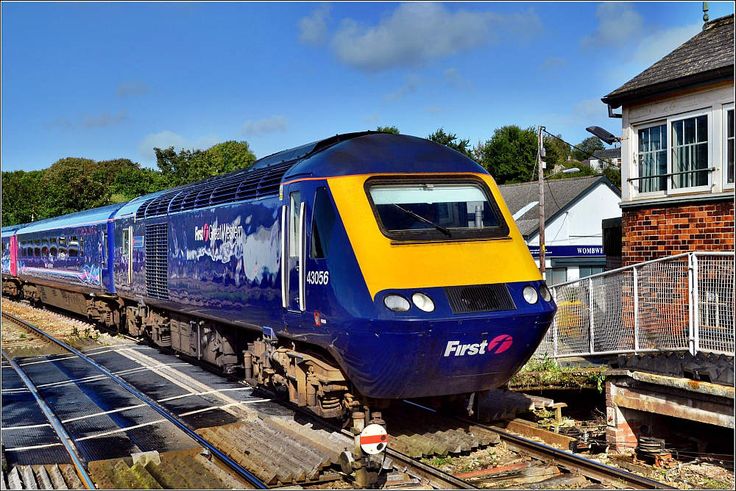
pixel 404 265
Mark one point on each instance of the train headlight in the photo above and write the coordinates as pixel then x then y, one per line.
pixel 397 303
pixel 530 294
pixel 423 302
pixel 544 292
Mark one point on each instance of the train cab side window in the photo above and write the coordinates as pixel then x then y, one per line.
pixel 294 219
pixel 126 243
pixel 323 222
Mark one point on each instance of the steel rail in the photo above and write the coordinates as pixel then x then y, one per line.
pixel 588 467
pixel 241 471
pixel 66 439
pixel 435 477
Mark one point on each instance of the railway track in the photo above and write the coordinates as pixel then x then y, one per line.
pixel 71 445
pixel 421 473
pixel 595 472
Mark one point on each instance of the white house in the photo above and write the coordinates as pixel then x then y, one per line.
pixel 574 209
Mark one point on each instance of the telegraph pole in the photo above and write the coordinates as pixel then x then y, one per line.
pixel 540 166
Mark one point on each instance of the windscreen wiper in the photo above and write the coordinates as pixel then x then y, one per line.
pixel 439 227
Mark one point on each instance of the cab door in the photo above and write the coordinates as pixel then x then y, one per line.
pixel 293 250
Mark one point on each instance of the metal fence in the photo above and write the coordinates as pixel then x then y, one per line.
pixel 683 302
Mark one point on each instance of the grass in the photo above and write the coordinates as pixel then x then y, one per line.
pixel 546 372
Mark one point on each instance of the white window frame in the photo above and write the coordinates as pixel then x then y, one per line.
pixel 669 190
pixel 724 145
pixel 636 185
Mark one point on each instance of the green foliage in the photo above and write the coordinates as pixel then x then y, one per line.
pixel 22 198
pixel 451 140
pixel 587 147
pixel 510 154
pixel 73 184
pixel 557 151
pixel 188 166
pixel 613 174
pixel 584 170
pixel 388 129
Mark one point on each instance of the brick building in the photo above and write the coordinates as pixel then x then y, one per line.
pixel 677 149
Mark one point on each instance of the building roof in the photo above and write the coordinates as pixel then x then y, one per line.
pixel 706 57
pixel 608 153
pixel 559 196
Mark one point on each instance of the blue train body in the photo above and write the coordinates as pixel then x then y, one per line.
pixel 304 271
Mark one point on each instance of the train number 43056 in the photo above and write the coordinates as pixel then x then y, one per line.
pixel 318 277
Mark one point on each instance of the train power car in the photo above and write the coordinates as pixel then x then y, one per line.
pixel 362 268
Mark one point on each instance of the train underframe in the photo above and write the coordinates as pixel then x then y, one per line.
pixel 304 376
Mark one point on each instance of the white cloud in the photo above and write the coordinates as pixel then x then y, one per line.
pixel 590 109
pixel 455 80
pixel 648 50
pixel 409 87
pixel 128 89
pixel 168 138
pixel 553 63
pixel 263 126
pixel 660 43
pixel 104 120
pixel 415 33
pixel 162 139
pixel 313 28
pixel 618 23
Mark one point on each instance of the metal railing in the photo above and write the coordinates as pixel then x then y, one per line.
pixel 677 303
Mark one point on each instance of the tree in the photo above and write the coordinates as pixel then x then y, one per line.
pixel 510 154
pixel 72 184
pixel 451 140
pixel 557 151
pixel 188 166
pixel 587 147
pixel 23 200
pixel 388 129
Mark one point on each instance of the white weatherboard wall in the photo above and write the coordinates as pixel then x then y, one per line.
pixel 710 101
pixel 581 223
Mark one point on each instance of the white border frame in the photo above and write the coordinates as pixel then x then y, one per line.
pixel 724 148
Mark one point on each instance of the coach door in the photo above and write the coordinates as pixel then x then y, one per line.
pixel 293 233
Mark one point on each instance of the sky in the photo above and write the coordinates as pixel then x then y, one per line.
pixel 114 80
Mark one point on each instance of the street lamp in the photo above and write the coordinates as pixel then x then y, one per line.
pixel 603 134
pixel 571 170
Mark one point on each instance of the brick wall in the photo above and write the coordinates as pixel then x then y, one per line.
pixel 650 233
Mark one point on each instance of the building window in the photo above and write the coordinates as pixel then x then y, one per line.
pixel 652 158
pixel 690 152
pixel 555 276
pixel 586 271
pixel 729 147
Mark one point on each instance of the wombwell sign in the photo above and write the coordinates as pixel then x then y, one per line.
pixel 569 251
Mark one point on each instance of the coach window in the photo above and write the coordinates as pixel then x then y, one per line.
pixel 73 247
pixel 45 251
pixel 323 221
pixel 53 251
pixel 37 251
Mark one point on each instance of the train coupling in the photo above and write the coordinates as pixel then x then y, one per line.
pixel 367 458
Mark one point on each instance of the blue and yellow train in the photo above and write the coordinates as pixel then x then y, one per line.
pixel 365 267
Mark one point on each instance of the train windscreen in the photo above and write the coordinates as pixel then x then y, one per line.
pixel 429 210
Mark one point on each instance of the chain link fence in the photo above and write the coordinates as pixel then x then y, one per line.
pixel 683 302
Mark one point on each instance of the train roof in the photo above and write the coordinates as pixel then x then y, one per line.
pixel 374 152
pixel 85 217
pixel 350 153
pixel 9 229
